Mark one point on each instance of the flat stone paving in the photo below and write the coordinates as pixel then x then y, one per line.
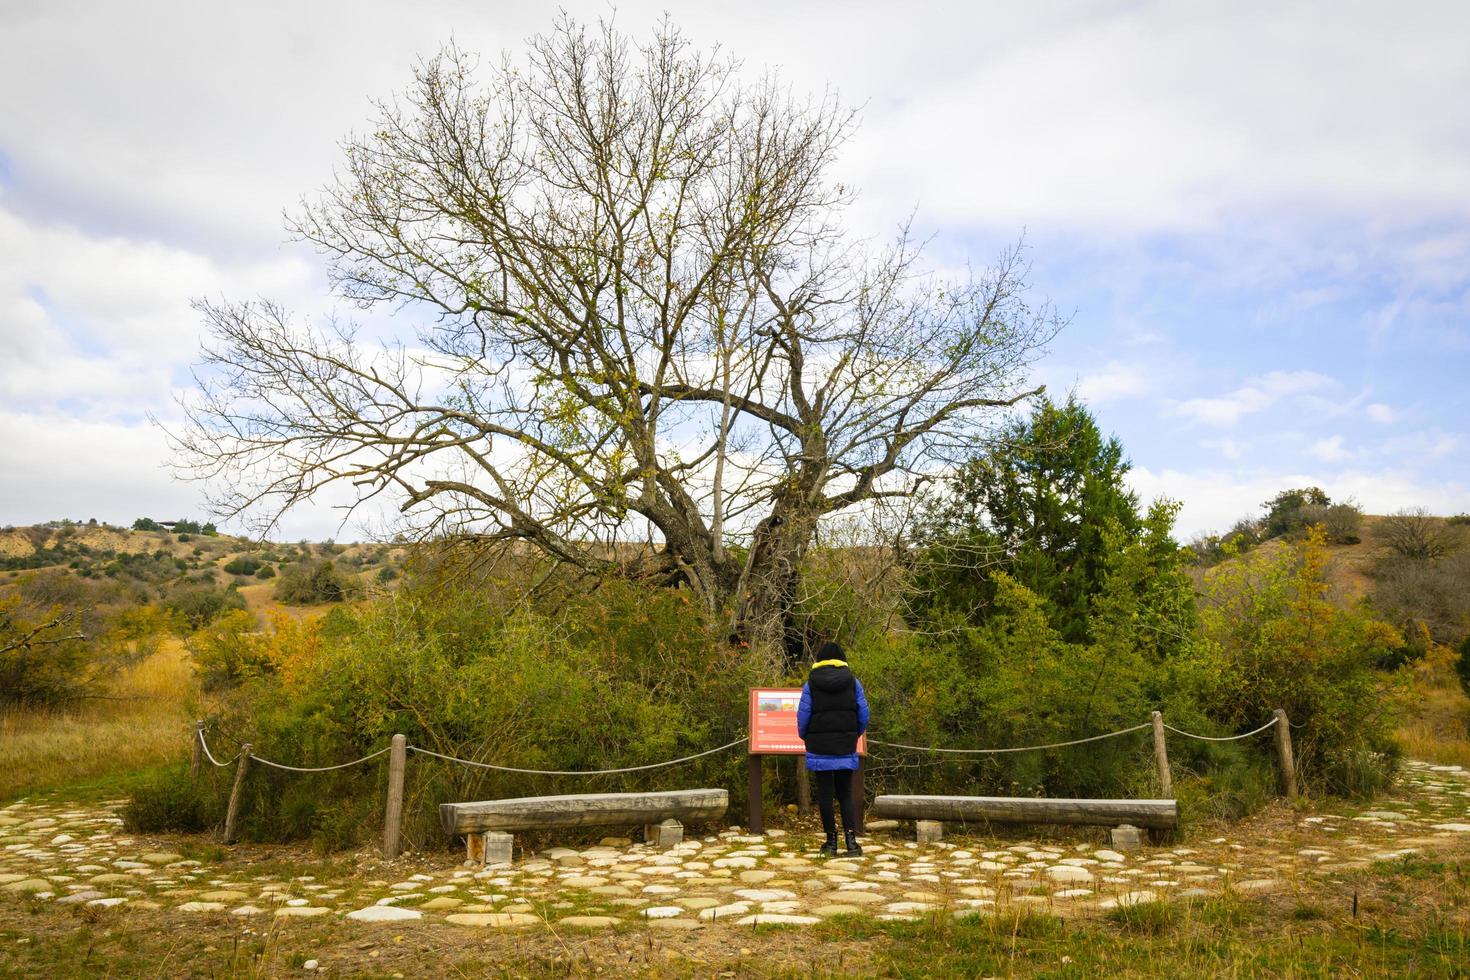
pixel 53 852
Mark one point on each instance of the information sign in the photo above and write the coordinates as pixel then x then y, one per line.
pixel 773 722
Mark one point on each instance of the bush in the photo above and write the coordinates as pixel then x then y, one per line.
pixel 43 657
pixel 1462 666
pixel 147 524
pixel 265 572
pixel 315 584
pixel 1272 639
pixel 198 606
pixel 1015 680
pixel 168 802
pixel 230 651
pixel 1341 523
pixel 1435 593
pixel 1417 536
pixel 625 676
pixel 58 652
pixel 386 574
pixel 243 565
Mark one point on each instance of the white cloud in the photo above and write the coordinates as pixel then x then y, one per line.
pixel 52 466
pixel 1115 381
pixel 132 294
pixel 1380 412
pixel 1052 112
pixel 1214 499
pixel 1329 450
pixel 105 321
pixel 1256 395
pixel 1229 448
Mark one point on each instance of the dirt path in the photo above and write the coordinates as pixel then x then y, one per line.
pixel 58 861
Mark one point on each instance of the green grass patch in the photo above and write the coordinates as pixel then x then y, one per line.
pixel 1307 912
pixel 1416 867
pixel 1147 918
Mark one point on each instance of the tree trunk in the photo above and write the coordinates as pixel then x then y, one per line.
pixel 767 595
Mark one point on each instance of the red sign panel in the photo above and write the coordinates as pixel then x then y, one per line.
pixel 773 722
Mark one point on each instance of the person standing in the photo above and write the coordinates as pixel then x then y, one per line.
pixel 832 714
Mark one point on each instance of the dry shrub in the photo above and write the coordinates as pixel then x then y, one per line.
pixel 1417 535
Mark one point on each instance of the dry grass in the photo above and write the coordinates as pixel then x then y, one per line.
pixel 1445 742
pixel 144 723
pixel 1436 727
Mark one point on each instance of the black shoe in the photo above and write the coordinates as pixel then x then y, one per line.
pixel 829 849
pixel 852 845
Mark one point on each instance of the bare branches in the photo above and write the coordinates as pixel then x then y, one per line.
pixel 43 634
pixel 1414 534
pixel 644 321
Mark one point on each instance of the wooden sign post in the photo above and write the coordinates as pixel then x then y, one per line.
pixel 773 732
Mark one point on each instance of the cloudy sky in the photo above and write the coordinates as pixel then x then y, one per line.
pixel 1257 215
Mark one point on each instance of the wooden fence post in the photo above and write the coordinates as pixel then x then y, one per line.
pixel 393 818
pixel 803 787
pixel 232 814
pixel 1161 757
pixel 753 787
pixel 1284 754
pixel 196 753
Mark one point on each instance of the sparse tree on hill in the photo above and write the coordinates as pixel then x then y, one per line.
pixel 1414 534
pixel 641 319
pixel 1292 510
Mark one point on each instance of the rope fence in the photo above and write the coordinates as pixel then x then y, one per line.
pixel 345 765
pixel 1019 748
pixel 399 748
pixel 1227 738
pixel 578 772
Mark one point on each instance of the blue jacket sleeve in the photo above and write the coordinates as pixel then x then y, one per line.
pixel 862 700
pixel 804 711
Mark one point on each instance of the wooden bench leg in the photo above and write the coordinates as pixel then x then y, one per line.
pixel 664 835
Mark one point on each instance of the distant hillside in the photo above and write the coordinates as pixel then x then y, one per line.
pixel 123 566
pixel 1351 566
pixel 1412 568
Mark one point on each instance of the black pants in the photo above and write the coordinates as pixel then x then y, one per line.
pixel 839 780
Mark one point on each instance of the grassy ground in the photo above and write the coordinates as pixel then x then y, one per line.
pixel 1436 727
pixel 143 723
pixel 1315 936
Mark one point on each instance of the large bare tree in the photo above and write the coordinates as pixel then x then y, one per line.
pixel 639 319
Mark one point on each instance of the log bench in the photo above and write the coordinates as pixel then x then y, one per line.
pixel 930 813
pixel 484 825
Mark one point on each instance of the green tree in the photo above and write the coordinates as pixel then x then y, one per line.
pixel 1292 510
pixel 1036 507
pixel 147 524
pixel 1271 638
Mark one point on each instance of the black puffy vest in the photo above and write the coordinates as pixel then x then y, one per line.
pixel 833 727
